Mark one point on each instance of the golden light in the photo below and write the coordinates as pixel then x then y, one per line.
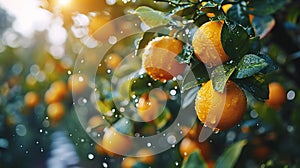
pixel 63 2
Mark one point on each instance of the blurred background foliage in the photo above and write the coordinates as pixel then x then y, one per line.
pixel 40 40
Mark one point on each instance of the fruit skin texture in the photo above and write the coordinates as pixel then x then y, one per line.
pixel 277 95
pixel 227 107
pixel 187 146
pixel 116 142
pixel 159 58
pixel 207 44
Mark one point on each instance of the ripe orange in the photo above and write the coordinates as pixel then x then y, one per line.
pixel 151 104
pixel 31 99
pixel 113 60
pixel 159 58
pixel 277 95
pixel 55 111
pixel 145 156
pixel 187 146
pixel 56 92
pixel 207 44
pixel 116 142
pixel 77 83
pixel 209 104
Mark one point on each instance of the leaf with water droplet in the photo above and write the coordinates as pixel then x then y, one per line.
pixel 235 40
pixel 220 76
pixel 249 65
pixel 256 85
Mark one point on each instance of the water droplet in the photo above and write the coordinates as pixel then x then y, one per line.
pixel 91 156
pixel 173 92
pixel 104 164
pixel 112 40
pixel 176 163
pixel 82 140
pixel 42 150
pixel 290 95
pixel 149 144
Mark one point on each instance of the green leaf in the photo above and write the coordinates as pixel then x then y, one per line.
pixel 256 85
pixel 239 15
pixel 271 65
pixel 263 25
pixel 218 1
pixel 249 65
pixel 254 44
pixel 151 17
pixel 194 160
pixel 265 7
pixel 124 126
pixel 140 84
pixel 220 75
pixel 197 75
pixel 235 40
pixel 231 155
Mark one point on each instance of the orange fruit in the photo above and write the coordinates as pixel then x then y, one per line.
pixel 116 142
pixel 150 105
pixel 77 83
pixel 55 111
pixel 56 92
pixel 188 146
pixel 128 162
pixel 207 44
pixel 113 60
pixel 159 58
pixel 209 104
pixel 60 88
pixel 31 99
pixel 146 156
pixel 277 95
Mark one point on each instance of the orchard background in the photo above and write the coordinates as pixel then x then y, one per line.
pixel 41 41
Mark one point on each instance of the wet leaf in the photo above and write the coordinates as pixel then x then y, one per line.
pixel 256 85
pixel 235 40
pixel 231 155
pixel 194 160
pixel 220 75
pixel 151 17
pixel 239 14
pixel 249 65
pixel 141 84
